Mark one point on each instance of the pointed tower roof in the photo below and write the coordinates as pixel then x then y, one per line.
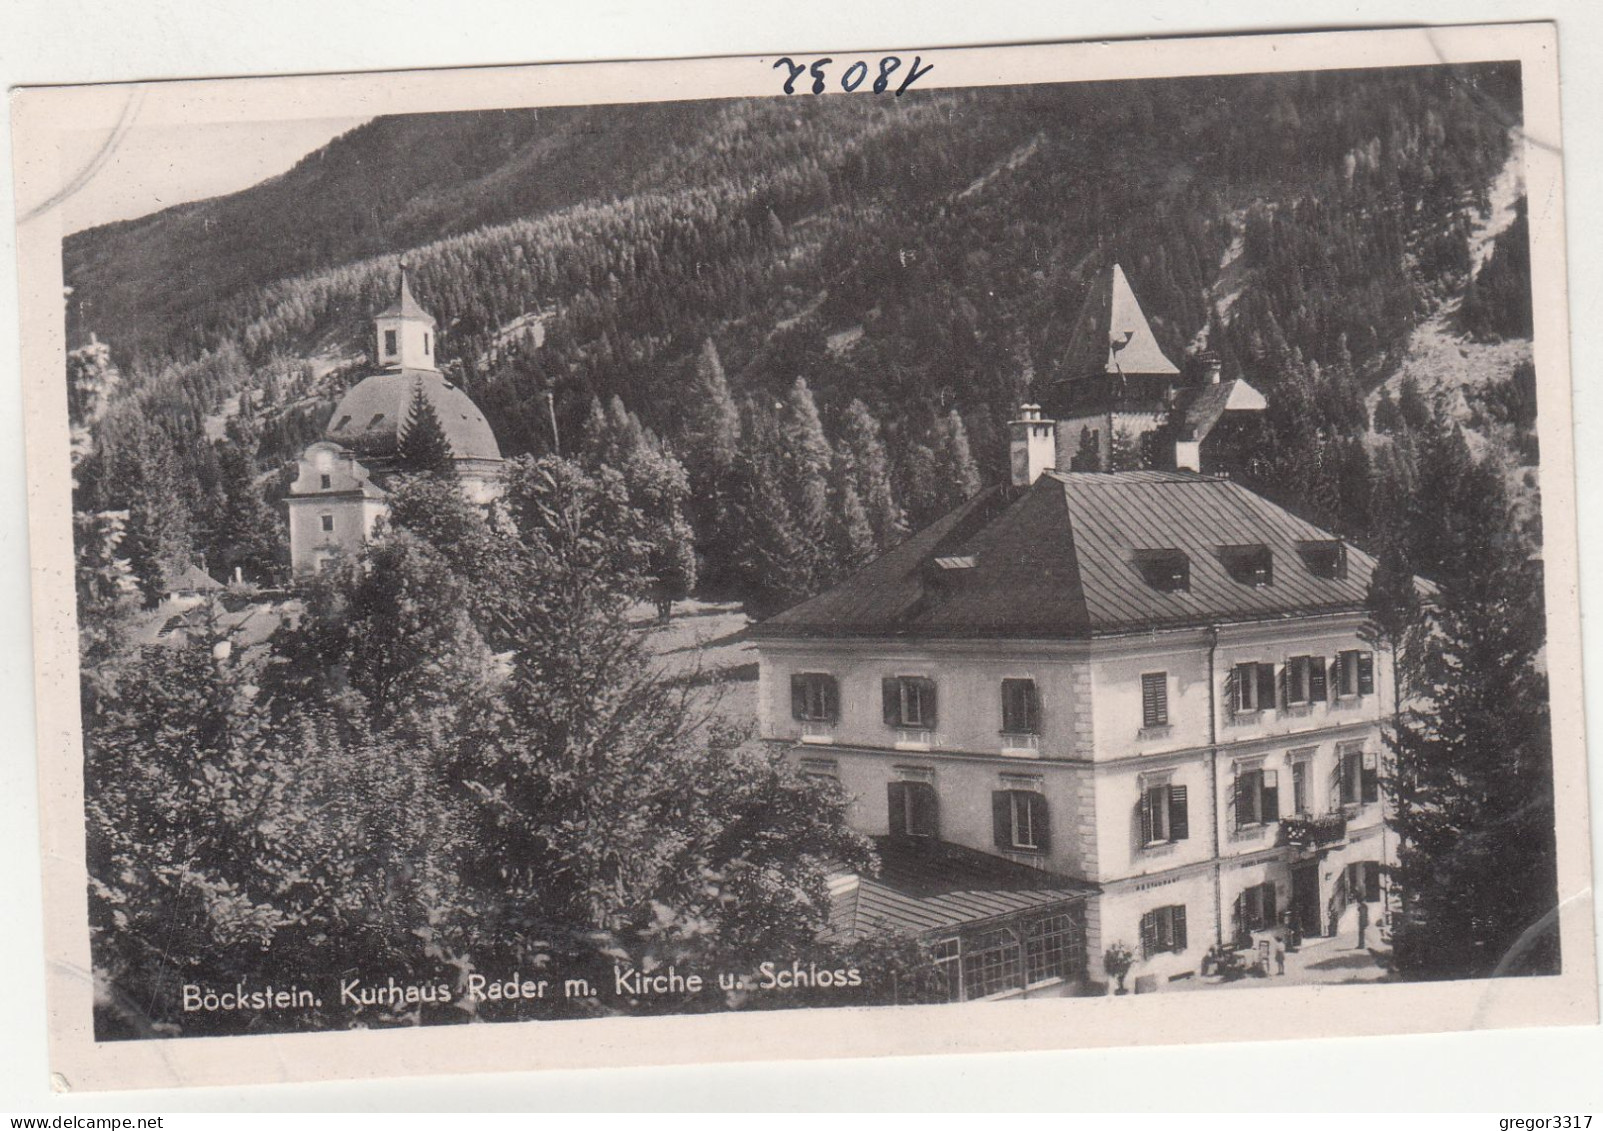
pixel 405 306
pixel 1131 346
pixel 1111 334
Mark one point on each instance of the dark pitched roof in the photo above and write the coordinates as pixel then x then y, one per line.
pixel 1202 407
pixel 928 886
pixel 193 577
pixel 1063 559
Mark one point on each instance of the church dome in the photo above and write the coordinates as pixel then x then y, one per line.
pixel 370 416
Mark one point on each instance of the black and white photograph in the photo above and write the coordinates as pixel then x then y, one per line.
pixel 882 544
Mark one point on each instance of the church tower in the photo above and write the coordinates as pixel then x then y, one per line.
pixel 405 333
pixel 340 488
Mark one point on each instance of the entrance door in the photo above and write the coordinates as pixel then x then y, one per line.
pixel 1305 898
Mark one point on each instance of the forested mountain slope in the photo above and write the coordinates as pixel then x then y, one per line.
pixel 920 255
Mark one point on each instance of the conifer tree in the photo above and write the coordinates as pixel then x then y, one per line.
pixel 865 465
pixel 423 446
pixel 959 475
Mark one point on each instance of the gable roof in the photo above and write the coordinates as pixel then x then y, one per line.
pixel 936 886
pixel 1062 560
pixel 1205 405
pixel 195 578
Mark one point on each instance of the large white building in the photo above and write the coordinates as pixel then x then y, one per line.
pixel 338 494
pixel 1088 708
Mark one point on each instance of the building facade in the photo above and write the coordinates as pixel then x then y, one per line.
pixel 338 494
pixel 1150 684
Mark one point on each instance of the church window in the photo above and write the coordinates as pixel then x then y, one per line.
pixel 325 481
pixel 328 523
pixel 425 343
pixel 389 343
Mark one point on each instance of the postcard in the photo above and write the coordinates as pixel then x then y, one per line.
pixel 895 552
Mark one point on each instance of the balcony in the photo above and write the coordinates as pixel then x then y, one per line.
pixel 1313 832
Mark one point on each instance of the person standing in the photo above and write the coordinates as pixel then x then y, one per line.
pixel 1363 921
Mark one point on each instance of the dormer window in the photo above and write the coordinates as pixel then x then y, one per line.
pixel 1251 565
pixel 1325 559
pixel 344 420
pixel 378 418
pixel 1168 571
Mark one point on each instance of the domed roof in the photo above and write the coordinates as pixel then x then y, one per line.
pixel 370 416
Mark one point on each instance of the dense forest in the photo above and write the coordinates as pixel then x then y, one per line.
pixel 914 263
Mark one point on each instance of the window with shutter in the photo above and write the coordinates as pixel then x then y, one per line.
pixel 1266 687
pixel 1369 780
pixel 1299 679
pixel 1299 788
pixel 908 701
pixel 1020 820
pixel 1355 674
pixel 1246 698
pixel 1366 673
pixel 1317 692
pixel 1149 934
pixel 1269 803
pixel 1179 818
pixel 1351 777
pixel 914 808
pixel 1163 929
pixel 1155 699
pixel 1249 796
pixel 1155 814
pixel 1021 709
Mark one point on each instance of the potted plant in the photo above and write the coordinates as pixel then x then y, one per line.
pixel 1117 961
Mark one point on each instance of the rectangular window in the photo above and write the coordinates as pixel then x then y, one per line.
pixel 327 522
pixel 1163 929
pixel 325 481
pixel 1363 880
pixel 1254 688
pixel 425 344
pixel 1360 777
pixel 1168 571
pixel 1299 788
pixel 1355 674
pixel 1165 816
pixel 389 343
pixel 1255 908
pixel 1325 559
pixel 914 808
pixel 947 955
pixel 1257 797
pixel 1250 564
pixel 992 964
pixel 1054 947
pixel 1155 699
pixel 814 697
pixel 1021 708
pixel 1019 820
pixel 1305 679
pixel 909 701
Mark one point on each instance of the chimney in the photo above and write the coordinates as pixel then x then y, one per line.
pixel 1032 444
pixel 1188 451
